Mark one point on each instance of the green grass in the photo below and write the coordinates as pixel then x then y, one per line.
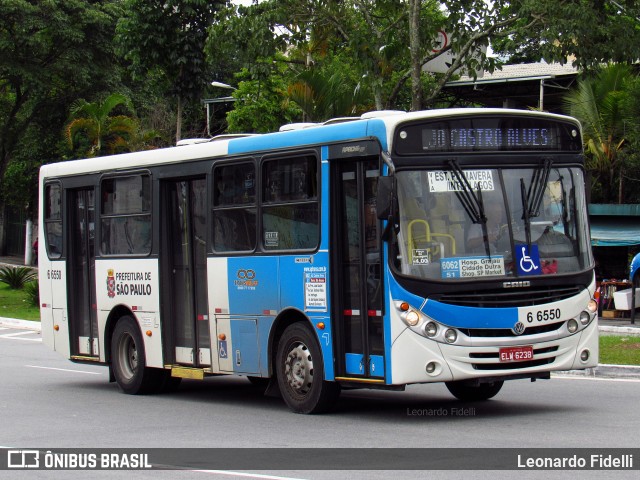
pixel 620 350
pixel 14 304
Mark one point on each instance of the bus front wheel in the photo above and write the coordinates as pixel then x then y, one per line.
pixel 474 393
pixel 128 359
pixel 300 371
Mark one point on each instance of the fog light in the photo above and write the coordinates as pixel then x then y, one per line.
pixel 431 329
pixel 431 367
pixel 572 325
pixel 412 318
pixel 584 355
pixel 450 335
pixel 585 317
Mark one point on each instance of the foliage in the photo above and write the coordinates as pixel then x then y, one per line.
pixel 13 304
pixel 168 37
pixel 50 53
pixel 261 105
pixel 16 277
pixel 600 103
pixel 32 291
pixel 584 32
pixel 103 133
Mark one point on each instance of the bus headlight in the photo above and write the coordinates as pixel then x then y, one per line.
pixel 431 329
pixel 572 325
pixel 450 335
pixel 592 306
pixel 585 317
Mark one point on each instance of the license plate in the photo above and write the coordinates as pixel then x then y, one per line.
pixel 516 354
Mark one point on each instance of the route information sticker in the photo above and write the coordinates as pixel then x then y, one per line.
pixel 441 181
pixel 467 267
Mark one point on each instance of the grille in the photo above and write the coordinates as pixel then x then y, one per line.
pixel 505 332
pixel 537 351
pixel 522 297
pixel 514 365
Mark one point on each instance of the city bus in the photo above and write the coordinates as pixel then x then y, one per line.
pixel 372 252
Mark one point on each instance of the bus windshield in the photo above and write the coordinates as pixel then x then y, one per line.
pixel 487 222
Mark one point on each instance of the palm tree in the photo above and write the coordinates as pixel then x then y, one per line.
pixel 599 103
pixel 105 134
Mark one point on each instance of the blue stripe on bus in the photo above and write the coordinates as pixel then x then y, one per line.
pixel 308 136
pixel 470 317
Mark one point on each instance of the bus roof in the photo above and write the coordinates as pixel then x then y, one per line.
pixel 380 125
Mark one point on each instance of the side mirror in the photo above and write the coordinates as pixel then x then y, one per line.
pixel 384 199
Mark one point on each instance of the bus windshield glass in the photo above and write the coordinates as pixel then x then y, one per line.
pixel 485 223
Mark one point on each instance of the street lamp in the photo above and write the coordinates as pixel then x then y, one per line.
pixel 210 101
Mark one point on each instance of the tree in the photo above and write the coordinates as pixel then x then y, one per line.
pixel 261 106
pixel 50 53
pixel 600 103
pixel 169 36
pixel 93 121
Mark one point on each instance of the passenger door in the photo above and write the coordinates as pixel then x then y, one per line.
pixel 356 273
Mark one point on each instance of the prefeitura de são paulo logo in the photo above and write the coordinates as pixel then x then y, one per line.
pixel 111 283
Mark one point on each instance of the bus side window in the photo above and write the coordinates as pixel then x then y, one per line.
pixel 234 208
pixel 290 204
pixel 53 219
pixel 126 215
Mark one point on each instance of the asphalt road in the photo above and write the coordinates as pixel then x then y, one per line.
pixel 48 402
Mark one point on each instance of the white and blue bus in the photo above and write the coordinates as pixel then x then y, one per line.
pixel 377 252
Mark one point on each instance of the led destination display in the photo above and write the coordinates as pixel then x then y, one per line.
pixel 487 134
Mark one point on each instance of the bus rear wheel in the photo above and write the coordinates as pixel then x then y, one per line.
pixel 128 359
pixel 300 371
pixel 474 393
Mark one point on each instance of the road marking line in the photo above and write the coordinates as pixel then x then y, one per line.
pixel 64 370
pixel 248 475
pixel 8 337
pixel 17 334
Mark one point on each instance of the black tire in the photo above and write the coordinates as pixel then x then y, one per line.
pixel 300 372
pixel 128 360
pixel 474 393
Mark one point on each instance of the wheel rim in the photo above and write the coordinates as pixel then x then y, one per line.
pixel 128 356
pixel 298 368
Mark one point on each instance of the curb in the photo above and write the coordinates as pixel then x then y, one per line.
pixel 21 324
pixel 603 371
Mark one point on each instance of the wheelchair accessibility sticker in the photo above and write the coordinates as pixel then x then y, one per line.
pixel 222 348
pixel 528 260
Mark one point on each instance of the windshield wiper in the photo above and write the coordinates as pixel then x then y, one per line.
pixel 532 199
pixel 473 204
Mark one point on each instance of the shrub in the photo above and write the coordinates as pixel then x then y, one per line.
pixel 32 289
pixel 16 277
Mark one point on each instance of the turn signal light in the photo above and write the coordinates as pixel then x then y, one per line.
pixel 149 333
pixel 222 336
pixel 320 325
pixel 56 327
pixel 404 306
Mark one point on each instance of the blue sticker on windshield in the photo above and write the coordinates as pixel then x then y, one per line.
pixel 528 260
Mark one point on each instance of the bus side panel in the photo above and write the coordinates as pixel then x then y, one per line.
pixel 305 286
pixel 59 307
pixel 135 284
pixel 219 323
pixel 46 296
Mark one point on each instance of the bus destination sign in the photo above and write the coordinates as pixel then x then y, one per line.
pixel 485 134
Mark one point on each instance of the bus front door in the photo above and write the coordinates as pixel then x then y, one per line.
pixel 357 284
pixel 83 320
pixel 184 234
